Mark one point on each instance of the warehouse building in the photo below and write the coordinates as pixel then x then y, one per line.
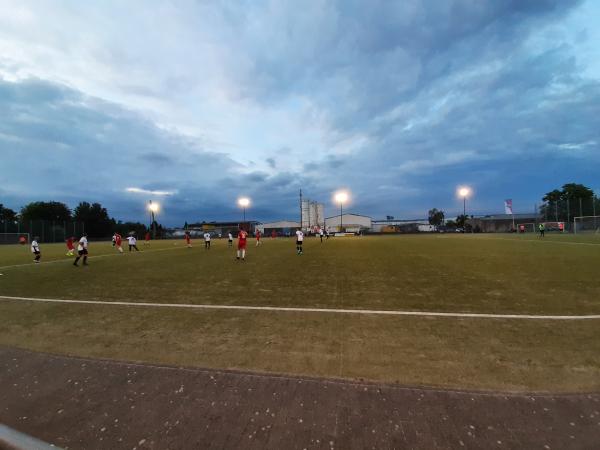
pixel 281 227
pixel 351 223
pixel 502 223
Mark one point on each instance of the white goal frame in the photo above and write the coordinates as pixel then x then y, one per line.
pixel 4 238
pixel 533 227
pixel 596 227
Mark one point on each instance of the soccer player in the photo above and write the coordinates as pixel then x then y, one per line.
pixel 82 250
pixel 70 246
pixel 230 239
pixel 132 243
pixel 299 240
pixel 118 239
pixel 258 238
pixel 188 239
pixel 207 241
pixel 147 238
pixel 321 234
pixel 273 234
pixel 241 251
pixel 542 229
pixel 35 249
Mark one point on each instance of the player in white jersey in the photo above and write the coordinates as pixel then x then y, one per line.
pixel 299 240
pixel 132 241
pixel 35 249
pixel 82 250
pixel 229 239
pixel 207 241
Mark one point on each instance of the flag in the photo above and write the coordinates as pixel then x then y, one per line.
pixel 508 209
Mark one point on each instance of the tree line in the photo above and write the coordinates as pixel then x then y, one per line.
pixel 98 223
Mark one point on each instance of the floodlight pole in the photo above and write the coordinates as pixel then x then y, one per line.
pixel 244 209
pixel 341 217
pixel 152 223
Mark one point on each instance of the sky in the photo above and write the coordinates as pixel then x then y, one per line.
pixel 193 104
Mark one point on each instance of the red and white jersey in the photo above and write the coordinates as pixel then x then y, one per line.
pixel 188 238
pixel 118 240
pixel 258 235
pixel 70 245
pixel 242 237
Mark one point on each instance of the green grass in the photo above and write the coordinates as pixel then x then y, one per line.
pixel 452 273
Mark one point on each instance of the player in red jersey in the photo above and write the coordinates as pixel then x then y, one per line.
pixel 118 241
pixel 147 238
pixel 258 238
pixel 70 246
pixel 188 239
pixel 241 251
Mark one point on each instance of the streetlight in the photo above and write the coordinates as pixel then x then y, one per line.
pixel 153 207
pixel 464 192
pixel 340 198
pixel 244 202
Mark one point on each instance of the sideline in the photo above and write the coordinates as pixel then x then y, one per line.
pixel 310 310
pixel 72 258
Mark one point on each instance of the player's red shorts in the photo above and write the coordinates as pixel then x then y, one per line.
pixel 242 245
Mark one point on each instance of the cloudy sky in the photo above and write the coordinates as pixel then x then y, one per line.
pixel 194 103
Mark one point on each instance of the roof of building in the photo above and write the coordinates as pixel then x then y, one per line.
pixel 508 216
pixel 349 214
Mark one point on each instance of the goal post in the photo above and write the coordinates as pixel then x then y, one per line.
pixel 14 238
pixel 528 227
pixel 586 224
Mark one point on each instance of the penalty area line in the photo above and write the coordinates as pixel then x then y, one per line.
pixel 308 310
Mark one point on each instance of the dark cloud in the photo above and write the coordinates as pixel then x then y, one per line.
pixel 411 99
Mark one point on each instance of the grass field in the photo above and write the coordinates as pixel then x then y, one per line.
pixel 499 274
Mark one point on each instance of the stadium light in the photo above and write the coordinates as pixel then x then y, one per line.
pixel 464 192
pixel 341 197
pixel 153 207
pixel 244 202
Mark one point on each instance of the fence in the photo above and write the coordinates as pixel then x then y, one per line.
pixel 566 210
pixel 46 230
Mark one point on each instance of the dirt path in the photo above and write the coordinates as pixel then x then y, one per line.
pixel 96 404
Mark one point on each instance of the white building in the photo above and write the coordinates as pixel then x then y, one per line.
pixel 352 223
pixel 313 216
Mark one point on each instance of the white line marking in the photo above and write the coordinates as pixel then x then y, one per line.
pixel 540 240
pixel 72 258
pixel 308 310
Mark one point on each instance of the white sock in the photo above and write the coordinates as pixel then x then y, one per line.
pixel 238 253
pixel 243 254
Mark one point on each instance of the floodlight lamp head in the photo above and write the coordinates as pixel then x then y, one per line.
pixel 341 197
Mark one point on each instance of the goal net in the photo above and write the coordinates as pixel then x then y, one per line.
pixel 526 227
pixel 586 224
pixel 554 226
pixel 14 238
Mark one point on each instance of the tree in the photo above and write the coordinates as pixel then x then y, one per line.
pixel 461 221
pixel 7 214
pixel 451 223
pixel 96 219
pixel 436 217
pixel 570 201
pixel 46 211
